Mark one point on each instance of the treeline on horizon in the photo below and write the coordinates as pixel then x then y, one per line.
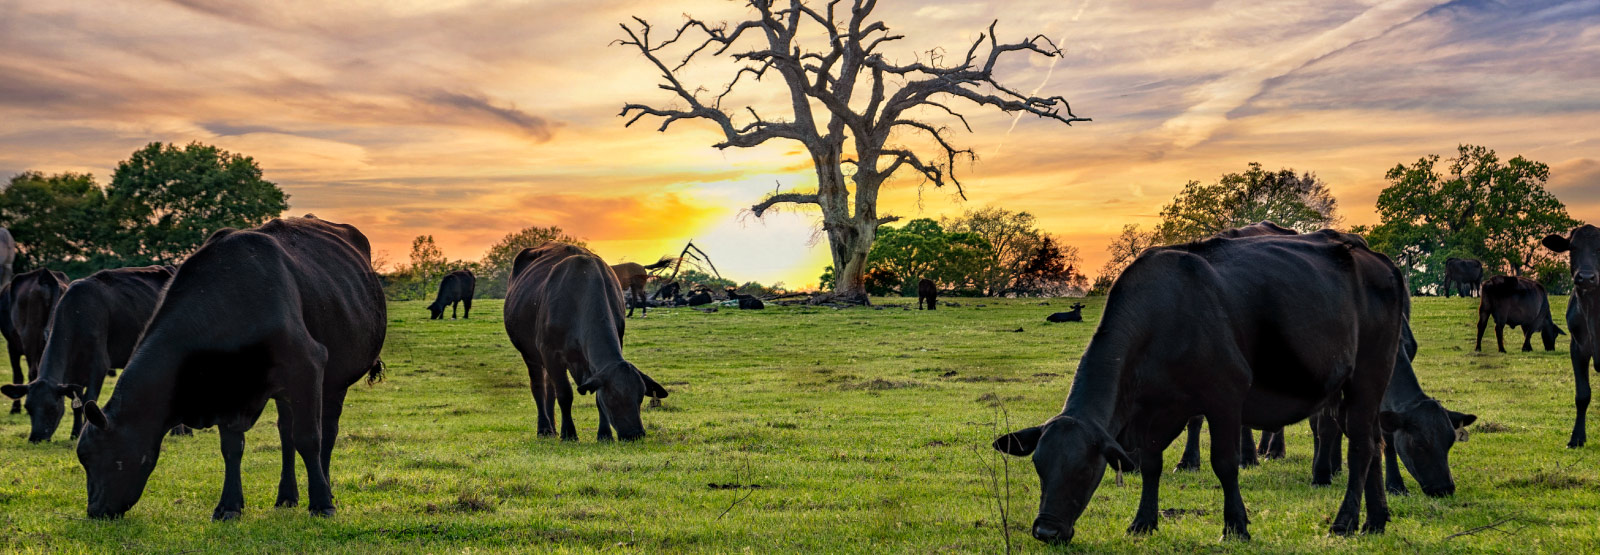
pixel 164 200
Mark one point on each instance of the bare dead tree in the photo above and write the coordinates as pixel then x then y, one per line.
pixel 898 98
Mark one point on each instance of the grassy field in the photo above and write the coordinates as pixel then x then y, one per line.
pixel 802 429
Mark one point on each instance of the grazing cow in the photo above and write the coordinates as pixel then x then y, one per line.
pixel 290 311
pixel 563 312
pixel 456 288
pixel 927 293
pixel 1260 331
pixel 1417 430
pixel 632 278
pixel 746 302
pixel 1465 274
pixel 29 300
pixel 94 328
pixel 1074 315
pixel 1583 314
pixel 700 297
pixel 1516 301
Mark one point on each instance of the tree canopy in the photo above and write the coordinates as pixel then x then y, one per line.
pixel 1471 206
pixel 1297 201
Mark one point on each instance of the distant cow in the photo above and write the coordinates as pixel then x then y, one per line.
pixel 94 328
pixel 564 313
pixel 29 299
pixel 700 297
pixel 1464 274
pixel 1583 314
pixel 632 277
pixel 1260 331
pixel 456 288
pixel 927 294
pixel 1516 302
pixel 746 302
pixel 291 312
pixel 669 294
pixel 1074 315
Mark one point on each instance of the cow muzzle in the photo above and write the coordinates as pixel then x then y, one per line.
pixel 1051 532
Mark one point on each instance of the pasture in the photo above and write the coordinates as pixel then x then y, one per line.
pixel 804 429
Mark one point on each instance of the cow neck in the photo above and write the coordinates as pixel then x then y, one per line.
pixel 1403 385
pixel 1100 381
pixel 600 350
pixel 142 402
pixel 70 357
pixel 1589 306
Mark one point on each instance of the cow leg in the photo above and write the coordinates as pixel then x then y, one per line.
pixel 332 409
pixel 563 397
pixel 1247 448
pixel 1447 287
pixel 1393 482
pixel 1150 467
pixel 1500 334
pixel 466 308
pixel 1360 419
pixel 605 423
pixel 232 503
pixel 1483 321
pixel 306 401
pixel 1527 338
pixel 539 371
pixel 1191 448
pixel 15 352
pixel 1377 498
pixel 1271 444
pixel 288 487
pixel 1225 464
pixel 1580 378
pixel 77 423
pixel 453 309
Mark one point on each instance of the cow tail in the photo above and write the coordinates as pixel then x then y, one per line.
pixel 375 374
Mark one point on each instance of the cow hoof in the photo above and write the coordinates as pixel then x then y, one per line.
pixel 1141 527
pixel 1527 349
pixel 221 514
pixel 1235 533
pixel 16 409
pixel 1399 490
pixel 1249 463
pixel 1373 527
pixel 287 502
pixel 1575 443
pixel 323 512
pixel 1187 465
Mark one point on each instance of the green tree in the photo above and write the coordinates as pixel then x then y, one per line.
pixel 167 199
pixel 58 222
pixel 497 261
pixel 427 263
pixel 1013 237
pixel 1476 206
pixel 1297 201
pixel 1052 271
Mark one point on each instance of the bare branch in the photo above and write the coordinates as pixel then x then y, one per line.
pixel 778 198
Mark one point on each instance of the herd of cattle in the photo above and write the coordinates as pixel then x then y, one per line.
pixel 1254 329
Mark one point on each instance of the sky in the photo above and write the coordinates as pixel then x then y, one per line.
pixel 470 119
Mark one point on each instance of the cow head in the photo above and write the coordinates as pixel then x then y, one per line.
pixel 117 462
pixel 1583 244
pixel 1070 456
pixel 44 405
pixel 1549 333
pixel 1423 434
pixel 436 310
pixel 619 389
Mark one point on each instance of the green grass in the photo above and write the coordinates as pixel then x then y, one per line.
pixel 865 430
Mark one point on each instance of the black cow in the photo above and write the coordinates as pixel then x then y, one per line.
pixel 290 311
pixel 669 294
pixel 746 302
pixel 96 324
pixel 28 301
pixel 1259 331
pixel 564 313
pixel 700 297
pixel 1074 315
pixel 927 293
pixel 1417 430
pixel 1516 302
pixel 456 288
pixel 1583 314
pixel 1465 274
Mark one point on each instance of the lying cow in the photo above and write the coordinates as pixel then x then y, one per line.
pixel 1463 276
pixel 1260 331
pixel 29 299
pixel 700 297
pixel 564 313
pixel 290 311
pixel 746 302
pixel 96 324
pixel 1074 315
pixel 1583 314
pixel 927 294
pixel 1516 302
pixel 456 288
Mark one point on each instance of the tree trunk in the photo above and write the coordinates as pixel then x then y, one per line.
pixel 850 243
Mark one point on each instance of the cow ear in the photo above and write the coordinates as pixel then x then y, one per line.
pixel 91 412
pixel 590 385
pixel 1391 420
pixel 14 390
pixel 1556 243
pixel 651 388
pixel 1461 420
pixel 1019 443
pixel 1116 456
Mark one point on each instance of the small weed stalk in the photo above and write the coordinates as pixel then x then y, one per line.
pixel 999 479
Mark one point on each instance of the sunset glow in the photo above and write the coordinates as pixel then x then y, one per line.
pixel 467 120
